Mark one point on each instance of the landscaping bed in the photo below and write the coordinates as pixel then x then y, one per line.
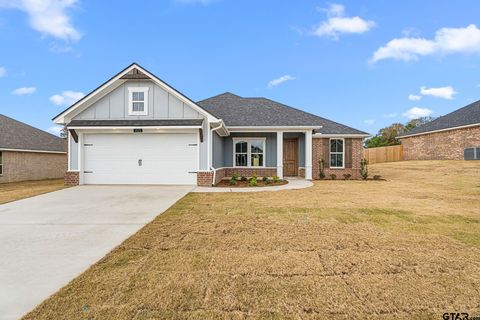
pixel 246 184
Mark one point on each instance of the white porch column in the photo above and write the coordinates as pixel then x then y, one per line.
pixel 280 154
pixel 308 155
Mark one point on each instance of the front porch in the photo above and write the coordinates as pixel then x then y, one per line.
pixel 262 153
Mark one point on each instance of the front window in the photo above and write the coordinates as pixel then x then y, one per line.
pixel 337 153
pixel 1 164
pixel 138 99
pixel 249 152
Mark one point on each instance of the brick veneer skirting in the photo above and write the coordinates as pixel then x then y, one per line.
pixel 320 145
pixel 445 145
pixel 248 172
pixel 71 178
pixel 204 178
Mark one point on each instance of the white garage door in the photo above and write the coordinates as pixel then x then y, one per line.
pixel 142 158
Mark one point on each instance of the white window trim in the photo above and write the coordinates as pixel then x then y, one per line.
pixel 249 151
pixel 330 153
pixel 131 90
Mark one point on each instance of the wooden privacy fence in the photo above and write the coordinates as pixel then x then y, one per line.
pixel 383 154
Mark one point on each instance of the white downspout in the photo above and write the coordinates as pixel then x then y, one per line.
pixel 210 142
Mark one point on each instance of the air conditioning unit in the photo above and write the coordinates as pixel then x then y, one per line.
pixel 471 153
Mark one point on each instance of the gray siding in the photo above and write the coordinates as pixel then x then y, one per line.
pixel 218 152
pixel 204 148
pixel 73 154
pixel 270 146
pixel 161 105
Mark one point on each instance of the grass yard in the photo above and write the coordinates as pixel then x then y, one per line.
pixel 408 247
pixel 19 190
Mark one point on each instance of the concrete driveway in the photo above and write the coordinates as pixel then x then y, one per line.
pixel 47 240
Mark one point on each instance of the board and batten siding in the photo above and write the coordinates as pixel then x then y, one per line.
pixel 161 105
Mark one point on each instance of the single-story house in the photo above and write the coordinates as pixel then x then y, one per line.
pixel 28 153
pixel 137 129
pixel 454 136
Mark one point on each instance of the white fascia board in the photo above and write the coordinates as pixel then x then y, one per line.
pixel 440 130
pixel 32 151
pixel 113 83
pixel 320 135
pixel 137 127
pixel 272 129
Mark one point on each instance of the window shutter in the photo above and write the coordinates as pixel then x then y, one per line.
pixel 348 153
pixel 326 153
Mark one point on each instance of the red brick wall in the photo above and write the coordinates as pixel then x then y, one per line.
pixel 320 145
pixel 248 172
pixel 22 166
pixel 445 145
pixel 71 178
pixel 301 172
pixel 204 178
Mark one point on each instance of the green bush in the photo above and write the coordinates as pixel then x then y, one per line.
pixel 265 179
pixel 235 176
pixel 321 167
pixel 268 181
pixel 333 176
pixel 364 168
pixel 347 176
pixel 233 182
pixel 253 181
pixel 276 178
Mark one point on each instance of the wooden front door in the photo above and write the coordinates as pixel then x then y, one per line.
pixel 290 157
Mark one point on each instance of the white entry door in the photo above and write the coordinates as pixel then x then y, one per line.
pixel 140 158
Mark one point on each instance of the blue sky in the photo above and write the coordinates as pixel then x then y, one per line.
pixel 366 64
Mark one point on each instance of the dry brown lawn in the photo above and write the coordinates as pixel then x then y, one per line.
pixel 405 248
pixel 19 190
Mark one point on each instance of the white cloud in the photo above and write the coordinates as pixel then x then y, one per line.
pixel 24 90
pixel 337 23
pixel 3 72
pixel 369 121
pixel 414 97
pixel 49 17
pixel 446 41
pixel 55 130
pixel 416 112
pixel 390 115
pixel 441 92
pixel 278 81
pixel 66 98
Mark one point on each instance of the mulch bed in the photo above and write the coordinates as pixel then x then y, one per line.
pixel 245 184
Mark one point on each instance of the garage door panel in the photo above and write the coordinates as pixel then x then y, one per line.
pixel 165 158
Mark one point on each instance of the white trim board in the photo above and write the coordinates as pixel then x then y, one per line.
pixel 32 151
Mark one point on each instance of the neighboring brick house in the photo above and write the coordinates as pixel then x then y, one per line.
pixel 28 153
pixel 137 129
pixel 451 137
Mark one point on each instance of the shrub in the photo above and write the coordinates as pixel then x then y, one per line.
pixel 233 182
pixel 268 181
pixel 347 176
pixel 265 179
pixel 243 178
pixel 235 176
pixel 321 168
pixel 377 177
pixel 333 176
pixel 364 169
pixel 253 181
pixel 276 178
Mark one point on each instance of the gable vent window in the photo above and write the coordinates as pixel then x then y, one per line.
pixel 138 101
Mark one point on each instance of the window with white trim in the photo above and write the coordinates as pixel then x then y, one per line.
pixel 1 163
pixel 249 152
pixel 138 101
pixel 337 153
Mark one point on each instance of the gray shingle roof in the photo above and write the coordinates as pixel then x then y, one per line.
pixel 18 135
pixel 135 123
pixel 238 111
pixel 468 115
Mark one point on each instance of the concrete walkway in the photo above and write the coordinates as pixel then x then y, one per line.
pixel 292 184
pixel 48 240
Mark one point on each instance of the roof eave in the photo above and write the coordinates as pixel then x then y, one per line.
pixel 439 130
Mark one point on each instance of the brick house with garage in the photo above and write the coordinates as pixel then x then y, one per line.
pixel 137 129
pixel 28 153
pixel 454 136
